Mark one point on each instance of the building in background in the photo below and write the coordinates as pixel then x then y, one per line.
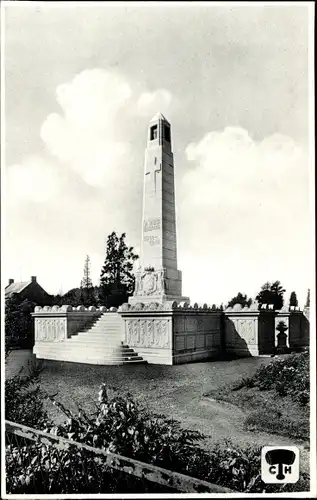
pixel 29 290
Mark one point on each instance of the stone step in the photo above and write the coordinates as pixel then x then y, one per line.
pixel 102 331
pixel 82 347
pixel 105 328
pixel 108 318
pixel 103 341
pixel 96 343
pixel 95 348
pixel 100 334
pixel 91 354
pixel 95 361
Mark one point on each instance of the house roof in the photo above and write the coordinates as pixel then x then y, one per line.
pixel 16 287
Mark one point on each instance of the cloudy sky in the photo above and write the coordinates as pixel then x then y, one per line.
pixel 82 83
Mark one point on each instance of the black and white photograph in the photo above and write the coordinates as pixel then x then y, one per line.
pixel 158 321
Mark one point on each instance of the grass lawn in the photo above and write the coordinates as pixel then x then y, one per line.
pixel 177 391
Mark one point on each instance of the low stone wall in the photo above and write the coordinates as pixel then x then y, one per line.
pixel 249 331
pixel 170 333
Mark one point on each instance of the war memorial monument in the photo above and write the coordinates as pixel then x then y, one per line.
pixel 158 324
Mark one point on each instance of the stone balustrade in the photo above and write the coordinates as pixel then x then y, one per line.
pixel 166 306
pixel 66 308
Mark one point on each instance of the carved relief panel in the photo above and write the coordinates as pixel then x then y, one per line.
pixel 179 342
pixel 179 324
pixel 148 332
pixel 190 324
pixel 50 329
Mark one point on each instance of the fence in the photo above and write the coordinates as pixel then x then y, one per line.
pixel 39 462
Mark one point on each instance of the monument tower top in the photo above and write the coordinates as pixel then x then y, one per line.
pixel 159 132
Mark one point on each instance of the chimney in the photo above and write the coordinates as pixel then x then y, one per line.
pixel 33 278
pixel 11 281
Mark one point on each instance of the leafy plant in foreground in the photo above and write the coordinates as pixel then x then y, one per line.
pixel 120 425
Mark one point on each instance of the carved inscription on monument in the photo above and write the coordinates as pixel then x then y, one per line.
pixel 151 224
pixel 153 240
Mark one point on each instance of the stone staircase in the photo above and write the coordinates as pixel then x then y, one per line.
pixel 101 344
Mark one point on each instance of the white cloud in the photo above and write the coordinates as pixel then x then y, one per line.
pixel 85 136
pixel 245 205
pixel 61 205
pixel 150 103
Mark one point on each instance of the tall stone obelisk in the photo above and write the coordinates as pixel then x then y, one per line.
pixel 158 278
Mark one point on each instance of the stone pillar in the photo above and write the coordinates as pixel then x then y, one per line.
pixel 158 278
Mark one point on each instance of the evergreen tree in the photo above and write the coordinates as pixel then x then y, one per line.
pixel 86 280
pixel 271 293
pixel 308 298
pixel 240 298
pixel 87 292
pixel 293 300
pixel 117 279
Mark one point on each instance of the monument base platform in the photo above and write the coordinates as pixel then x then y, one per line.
pixel 171 333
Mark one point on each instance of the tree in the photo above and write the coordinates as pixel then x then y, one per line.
pixel 116 278
pixel 19 328
pixel 87 292
pixel 271 293
pixel 308 298
pixel 240 298
pixel 86 280
pixel 293 300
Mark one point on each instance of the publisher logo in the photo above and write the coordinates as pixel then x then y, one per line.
pixel 280 464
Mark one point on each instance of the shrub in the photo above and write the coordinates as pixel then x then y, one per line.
pixel 24 399
pixel 287 376
pixel 120 425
